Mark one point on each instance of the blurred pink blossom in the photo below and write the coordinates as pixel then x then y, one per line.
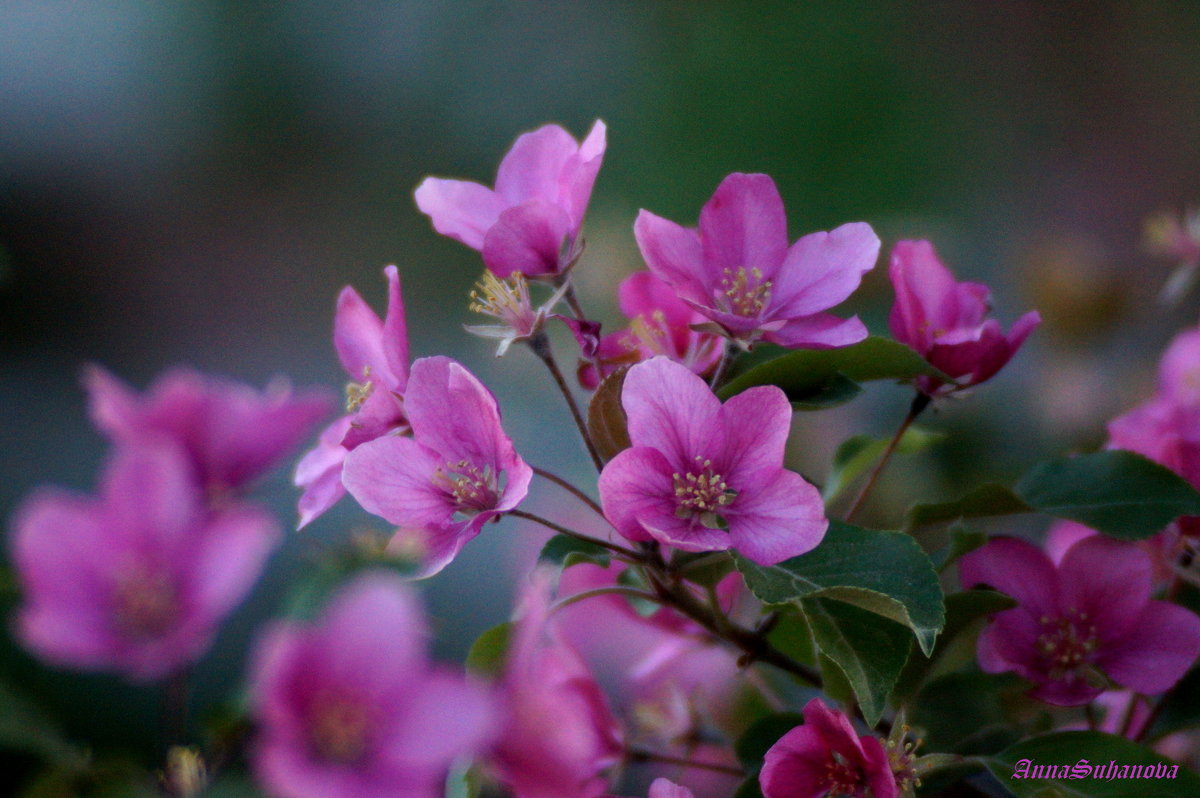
pixel 350 707
pixel 530 223
pixel 137 579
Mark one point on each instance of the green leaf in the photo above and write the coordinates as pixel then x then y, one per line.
pixel 754 743
pixel 1077 755
pixel 704 568
pixel 964 713
pixel 962 611
pixel 869 651
pixel 986 500
pixel 859 453
pixel 25 727
pixel 822 375
pixel 564 551
pixel 487 654
pixel 886 573
pixel 792 635
pixel 1119 493
pixel 963 541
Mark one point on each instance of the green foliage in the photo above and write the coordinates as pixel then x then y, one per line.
pixel 487 654
pixel 870 651
pixel 24 727
pixel 704 568
pixel 886 573
pixel 1069 748
pixel 819 378
pixel 986 500
pixel 753 745
pixel 964 713
pixel 860 452
pixel 563 551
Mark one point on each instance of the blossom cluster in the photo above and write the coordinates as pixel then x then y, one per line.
pixel 652 635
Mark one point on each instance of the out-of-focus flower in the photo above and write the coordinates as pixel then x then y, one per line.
pixel 374 353
pixel 737 269
pixel 1176 237
pixel 558 735
pixel 946 322
pixel 826 757
pixel 702 476
pixel 661 324
pixel 1080 623
pixel 458 470
pixel 232 433
pixel 530 223
pixel 350 707
pixel 1179 369
pixel 661 788
pixel 137 579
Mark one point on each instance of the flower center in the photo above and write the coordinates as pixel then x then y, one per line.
pixel 1067 644
pixel 702 492
pixel 358 392
pixel 145 603
pixel 744 293
pixel 472 489
pixel 339 727
pixel 840 779
pixel 506 300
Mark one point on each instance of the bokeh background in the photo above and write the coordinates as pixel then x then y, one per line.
pixel 194 182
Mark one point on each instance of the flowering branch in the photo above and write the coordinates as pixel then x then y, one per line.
pixel 570 488
pixel 919 403
pixel 540 345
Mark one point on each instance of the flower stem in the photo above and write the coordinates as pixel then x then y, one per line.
pixel 919 403
pixel 570 488
pixel 718 375
pixel 643 755
pixel 629 554
pixel 618 590
pixel 540 345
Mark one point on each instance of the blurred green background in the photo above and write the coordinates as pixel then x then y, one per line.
pixel 194 182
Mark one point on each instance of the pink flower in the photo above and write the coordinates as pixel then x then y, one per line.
pixel 738 270
pixel 350 707
pixel 231 432
pixel 1179 369
pixel 945 321
pixel 530 223
pixel 661 788
pixel 559 735
pixel 375 355
pixel 458 470
pixel 137 579
pixel 825 757
pixel 1086 618
pixel 702 476
pixel 661 324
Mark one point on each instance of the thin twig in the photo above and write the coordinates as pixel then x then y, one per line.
pixel 619 590
pixel 718 375
pixel 919 403
pixel 570 488
pixel 540 345
pixel 642 755
pixel 629 554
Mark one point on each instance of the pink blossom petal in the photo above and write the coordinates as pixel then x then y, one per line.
pixel 673 253
pixel 795 767
pixel 113 406
pixel 154 489
pixel 392 477
pixel 1017 568
pixel 926 297
pixel 743 225
pixel 777 520
pixel 455 415
pixel 635 484
pixel 1062 536
pixel 661 788
pixel 441 719
pixel 459 209
pixel 672 410
pixel 579 176
pixel 1162 646
pixel 533 168
pixel 230 555
pixel 1107 579
pixel 878 769
pixel 757 422
pixel 822 269
pixel 319 473
pixel 820 331
pixel 527 238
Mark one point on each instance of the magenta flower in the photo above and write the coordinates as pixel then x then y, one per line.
pixel 1179 369
pixel 374 353
pixel 136 580
pixel 661 324
pixel 232 433
pixel 946 321
pixel 1082 622
pixel 738 270
pixel 702 476
pixel 350 707
pixel 558 735
pixel 457 471
pixel 530 223
pixel 826 757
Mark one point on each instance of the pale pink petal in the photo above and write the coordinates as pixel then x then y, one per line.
pixel 527 238
pixel 151 489
pixel 661 788
pixel 534 165
pixel 743 225
pixel 673 253
pixel 442 720
pixel 777 520
pixel 822 269
pixel 672 410
pixel 113 406
pixel 319 473
pixel 579 177
pixel 459 209
pixel 635 483
pixel 925 294
pixel 756 422
pixel 392 477
pixel 358 338
pixel 395 332
pixel 822 331
pixel 230 553
pixel 1062 536
pixel 453 413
